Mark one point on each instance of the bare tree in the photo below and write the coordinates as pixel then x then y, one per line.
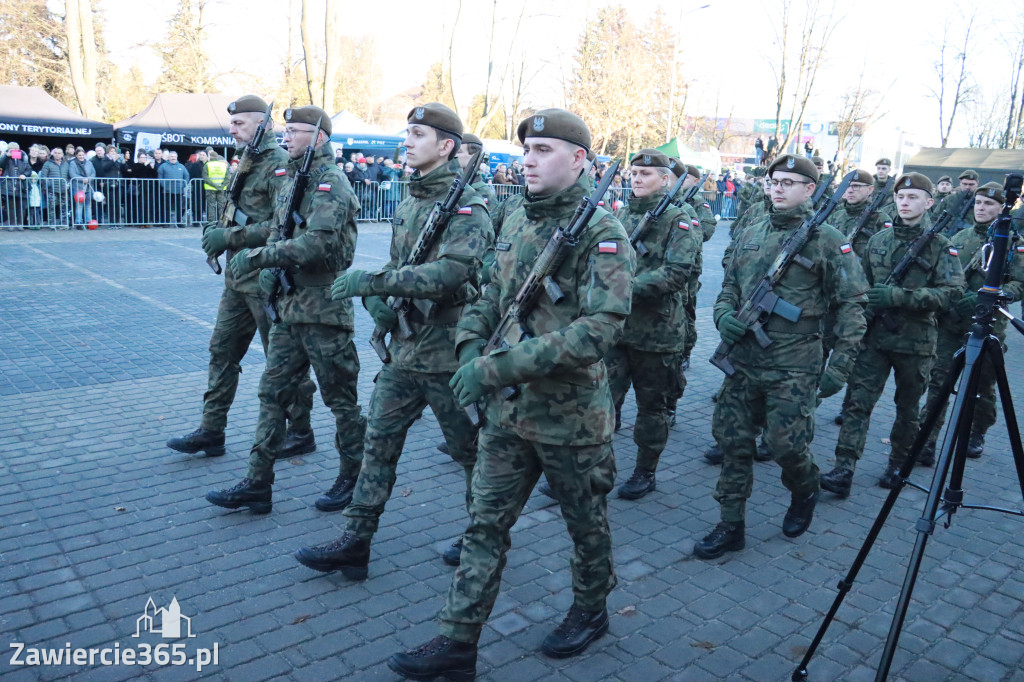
pixel 857 108
pixel 479 123
pixel 34 52
pixel 951 69
pixel 186 66
pixel 81 53
pixel 332 60
pixel 313 72
pixel 1015 111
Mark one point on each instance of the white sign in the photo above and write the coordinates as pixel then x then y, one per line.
pixel 146 142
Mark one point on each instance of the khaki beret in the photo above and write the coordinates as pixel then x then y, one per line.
pixel 883 162
pixel 437 115
pixel 864 177
pixel 968 175
pixel 693 170
pixel 817 161
pixel 557 123
pixel 991 190
pixel 310 115
pixel 913 181
pixel 944 178
pixel 676 166
pixel 794 164
pixel 248 104
pixel 651 158
pixel 470 138
pixel 591 156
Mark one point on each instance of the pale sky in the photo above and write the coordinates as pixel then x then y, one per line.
pixel 724 47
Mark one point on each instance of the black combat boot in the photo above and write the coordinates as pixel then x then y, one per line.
pixel 763 454
pixel 297 443
pixel 976 445
pixel 210 442
pixel 255 495
pixel 440 656
pixel 799 515
pixel 453 555
pixel 347 554
pixel 338 497
pixel 890 477
pixel 576 632
pixel 726 537
pixel 714 455
pixel 838 481
pixel 838 419
pixel 443 447
pixel 638 485
pixel 927 456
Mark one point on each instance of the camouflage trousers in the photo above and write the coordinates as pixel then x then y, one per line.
pixel 690 308
pixel 658 384
pixel 507 468
pixel 239 317
pixel 985 407
pixel 867 381
pixel 782 402
pixel 293 348
pixel 399 396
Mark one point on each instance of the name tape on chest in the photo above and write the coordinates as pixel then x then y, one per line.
pixel 608 247
pixel 280 171
pixel 323 187
pixel 466 210
pixel 502 246
pixel 845 248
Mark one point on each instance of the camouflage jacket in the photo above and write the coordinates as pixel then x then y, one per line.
pixel 830 188
pixel 926 291
pixel 321 248
pixel 256 201
pixel 659 287
pixel 564 397
pixel 758 209
pixel 845 219
pixel 703 211
pixel 954 203
pixel 936 210
pixel 968 243
pixel 448 277
pixel 835 282
pixel 746 196
pixel 888 204
pixel 486 193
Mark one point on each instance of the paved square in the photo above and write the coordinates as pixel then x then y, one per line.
pixel 103 356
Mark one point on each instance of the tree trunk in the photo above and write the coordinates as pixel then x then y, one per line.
pixel 308 52
pixel 332 60
pixel 80 81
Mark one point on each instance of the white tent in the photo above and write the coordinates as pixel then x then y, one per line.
pixel 345 122
pixel 502 147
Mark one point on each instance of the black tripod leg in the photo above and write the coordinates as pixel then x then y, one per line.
pixel 890 501
pixel 1009 415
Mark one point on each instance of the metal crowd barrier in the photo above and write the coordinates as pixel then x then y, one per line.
pixel 33 203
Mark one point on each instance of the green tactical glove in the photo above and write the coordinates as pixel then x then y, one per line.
pixel 884 296
pixel 352 283
pixel 382 314
pixel 731 329
pixel 267 281
pixel 209 225
pixel 241 265
pixel 215 241
pixel 831 381
pixel 470 351
pixel 467 383
pixel 965 306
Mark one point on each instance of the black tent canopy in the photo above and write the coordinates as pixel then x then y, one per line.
pixel 991 164
pixel 189 120
pixel 31 112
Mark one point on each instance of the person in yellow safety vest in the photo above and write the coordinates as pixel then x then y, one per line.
pixel 215 185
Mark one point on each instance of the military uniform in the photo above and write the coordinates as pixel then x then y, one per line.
pixel 846 217
pixel 649 353
pixel 907 350
pixel 701 211
pixel 240 313
pixel 954 202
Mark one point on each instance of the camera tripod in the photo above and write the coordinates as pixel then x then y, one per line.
pixel 943 501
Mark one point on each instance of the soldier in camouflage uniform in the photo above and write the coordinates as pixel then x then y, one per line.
pixel 759 207
pixel 943 187
pixel 954 203
pixel 883 168
pixel 240 313
pixel 827 179
pixel 702 210
pixel 747 195
pixel 901 333
pixel 313 329
pixel 955 323
pixel 471 144
pixel 560 423
pixel 851 209
pixel 649 353
pixel 778 386
pixel 421 366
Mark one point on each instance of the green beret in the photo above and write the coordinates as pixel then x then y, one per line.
pixel 591 156
pixel 557 123
pixel 676 166
pixel 791 163
pixel 968 175
pixel 914 181
pixel 651 158
pixel 864 177
pixel 437 115
pixel 309 114
pixel 944 178
pixel 693 170
pixel 248 104
pixel 991 190
pixel 470 138
pixel 883 162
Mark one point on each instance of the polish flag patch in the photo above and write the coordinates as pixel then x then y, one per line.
pixel 601 203
pixel 695 222
pixel 953 252
pixel 684 225
pixel 1020 249
pixel 280 171
pixel 608 247
pixel 324 187
pixel 466 210
pixel 707 205
pixel 887 224
pixel 845 248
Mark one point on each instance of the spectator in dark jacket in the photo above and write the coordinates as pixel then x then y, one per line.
pixel 174 179
pixel 14 169
pixel 82 174
pixel 54 179
pixel 141 197
pixel 106 170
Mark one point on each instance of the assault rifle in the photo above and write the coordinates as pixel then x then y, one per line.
pixel 763 301
pixel 285 284
pixel 889 317
pixel 511 329
pixel 233 215
pixel 692 192
pixel 876 201
pixel 652 216
pixel 960 213
pixel 824 180
pixel 435 225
